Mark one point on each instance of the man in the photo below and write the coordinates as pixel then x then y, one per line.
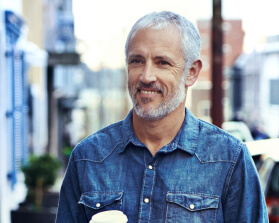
pixel 161 164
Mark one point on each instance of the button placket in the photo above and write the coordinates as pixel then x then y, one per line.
pixel 147 191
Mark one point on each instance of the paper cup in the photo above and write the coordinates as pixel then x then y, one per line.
pixel 112 216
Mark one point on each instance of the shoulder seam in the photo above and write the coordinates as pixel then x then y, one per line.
pixel 99 161
pixel 214 128
pixel 218 131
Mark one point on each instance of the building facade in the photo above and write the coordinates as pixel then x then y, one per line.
pixel 24 90
pixel 13 111
pixel 200 94
pixel 255 80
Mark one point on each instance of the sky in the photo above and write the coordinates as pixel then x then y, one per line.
pixel 101 26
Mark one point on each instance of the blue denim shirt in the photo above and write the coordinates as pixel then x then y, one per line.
pixel 203 175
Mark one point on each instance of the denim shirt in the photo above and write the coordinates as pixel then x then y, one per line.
pixel 203 175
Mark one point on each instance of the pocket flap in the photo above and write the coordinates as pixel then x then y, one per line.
pixel 193 202
pixel 97 200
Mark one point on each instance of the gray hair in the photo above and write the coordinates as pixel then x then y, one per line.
pixel 190 37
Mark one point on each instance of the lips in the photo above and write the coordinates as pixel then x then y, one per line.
pixel 149 90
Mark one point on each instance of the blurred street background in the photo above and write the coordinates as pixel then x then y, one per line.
pixel 63 76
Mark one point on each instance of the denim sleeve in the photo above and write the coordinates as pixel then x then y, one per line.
pixel 69 211
pixel 244 200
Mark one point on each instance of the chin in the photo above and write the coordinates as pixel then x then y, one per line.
pixel 151 113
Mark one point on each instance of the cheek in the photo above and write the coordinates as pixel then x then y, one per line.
pixel 133 73
pixel 133 69
pixel 131 79
pixel 132 82
pixel 172 77
pixel 129 69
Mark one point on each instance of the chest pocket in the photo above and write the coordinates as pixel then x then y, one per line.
pixel 95 202
pixel 194 208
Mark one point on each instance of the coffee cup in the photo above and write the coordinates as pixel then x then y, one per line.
pixel 112 216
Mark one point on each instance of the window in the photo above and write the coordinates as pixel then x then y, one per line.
pixel 227 48
pixel 226 27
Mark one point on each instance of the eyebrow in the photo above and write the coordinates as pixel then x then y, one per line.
pixel 170 60
pixel 135 55
pixel 156 57
pixel 162 58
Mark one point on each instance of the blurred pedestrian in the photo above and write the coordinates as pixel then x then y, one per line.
pixel 259 134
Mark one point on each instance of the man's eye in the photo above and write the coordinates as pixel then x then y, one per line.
pixel 135 61
pixel 163 62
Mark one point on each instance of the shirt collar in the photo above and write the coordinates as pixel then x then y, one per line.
pixel 186 138
pixel 188 135
pixel 128 133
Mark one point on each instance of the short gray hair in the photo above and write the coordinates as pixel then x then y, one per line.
pixel 190 37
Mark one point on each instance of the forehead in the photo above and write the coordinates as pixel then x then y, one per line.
pixel 168 39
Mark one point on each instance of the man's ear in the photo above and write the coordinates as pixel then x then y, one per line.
pixel 193 73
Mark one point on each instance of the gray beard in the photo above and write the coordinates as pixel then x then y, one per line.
pixel 167 106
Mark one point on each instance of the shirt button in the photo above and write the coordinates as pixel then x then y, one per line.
pixel 150 167
pixel 146 200
pixel 192 206
pixel 98 205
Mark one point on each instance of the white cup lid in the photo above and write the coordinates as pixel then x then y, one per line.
pixel 112 216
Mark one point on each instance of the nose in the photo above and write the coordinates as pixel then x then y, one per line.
pixel 148 75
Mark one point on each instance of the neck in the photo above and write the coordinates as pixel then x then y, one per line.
pixel 156 134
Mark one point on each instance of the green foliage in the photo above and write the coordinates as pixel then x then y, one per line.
pixel 43 169
pixel 67 151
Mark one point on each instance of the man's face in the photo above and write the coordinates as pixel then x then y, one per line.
pixel 155 70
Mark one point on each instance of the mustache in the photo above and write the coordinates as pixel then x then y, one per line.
pixel 151 86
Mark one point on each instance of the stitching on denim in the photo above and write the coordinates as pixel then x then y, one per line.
pixel 152 190
pixel 195 139
pixel 203 124
pixel 84 204
pixel 111 152
pixel 120 203
pixel 215 214
pixel 229 176
pixel 122 137
pixel 145 172
pixel 195 194
pixel 193 211
pixel 92 161
pixel 197 136
pixel 167 211
pixel 217 131
pixel 106 192
pixel 95 161
pixel 214 161
pixel 144 159
pixel 200 195
pixel 119 198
